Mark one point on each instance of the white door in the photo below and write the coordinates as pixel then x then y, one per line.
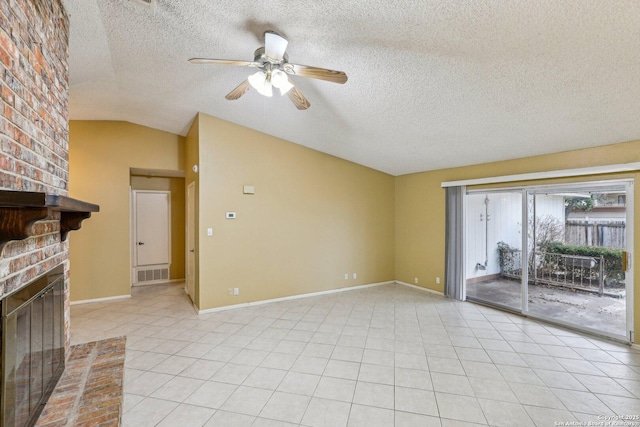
pixel 191 241
pixel 153 227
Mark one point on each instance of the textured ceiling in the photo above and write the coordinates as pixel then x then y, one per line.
pixel 432 83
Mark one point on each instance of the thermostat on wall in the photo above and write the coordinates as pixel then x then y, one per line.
pixel 231 215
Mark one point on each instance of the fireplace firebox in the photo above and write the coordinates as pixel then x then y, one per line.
pixel 32 348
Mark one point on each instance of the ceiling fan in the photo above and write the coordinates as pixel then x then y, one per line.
pixel 274 69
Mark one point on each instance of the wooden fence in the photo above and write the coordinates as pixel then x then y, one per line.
pixel 609 234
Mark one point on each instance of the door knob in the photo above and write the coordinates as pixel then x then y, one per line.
pixel 192 250
pixel 140 243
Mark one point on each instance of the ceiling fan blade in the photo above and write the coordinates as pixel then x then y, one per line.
pixel 240 90
pixel 224 61
pixel 298 99
pixel 274 45
pixel 316 73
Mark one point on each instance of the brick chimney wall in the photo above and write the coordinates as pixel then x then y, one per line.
pixel 34 129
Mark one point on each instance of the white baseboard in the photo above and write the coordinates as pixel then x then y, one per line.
pixel 96 300
pixel 292 297
pixel 420 288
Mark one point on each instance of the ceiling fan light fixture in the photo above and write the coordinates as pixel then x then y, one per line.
pixel 274 71
pixel 280 80
pixel 260 83
pixel 267 89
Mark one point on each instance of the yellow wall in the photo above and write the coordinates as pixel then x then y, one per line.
pixel 100 155
pixel 420 207
pixel 312 219
pixel 177 188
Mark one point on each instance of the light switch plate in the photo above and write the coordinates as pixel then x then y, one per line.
pixel 249 189
pixel 231 215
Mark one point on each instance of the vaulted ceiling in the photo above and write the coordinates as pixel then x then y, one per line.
pixel 432 83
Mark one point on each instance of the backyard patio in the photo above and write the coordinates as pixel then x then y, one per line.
pixel 585 309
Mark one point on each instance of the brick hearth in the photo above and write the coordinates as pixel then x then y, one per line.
pixel 90 390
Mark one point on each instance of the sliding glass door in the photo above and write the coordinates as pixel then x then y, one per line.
pixel 578 240
pixel 556 253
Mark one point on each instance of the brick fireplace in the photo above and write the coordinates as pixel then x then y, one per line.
pixel 34 133
pixel 34 130
pixel 34 127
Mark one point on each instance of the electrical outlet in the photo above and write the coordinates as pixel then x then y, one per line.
pixel 230 291
pixel 209 231
pixel 415 280
pixel 355 275
pixel 437 280
pixel 236 291
pixel 346 276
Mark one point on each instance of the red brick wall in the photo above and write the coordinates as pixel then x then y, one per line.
pixel 34 127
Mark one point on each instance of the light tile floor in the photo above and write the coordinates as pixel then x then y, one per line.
pixel 382 356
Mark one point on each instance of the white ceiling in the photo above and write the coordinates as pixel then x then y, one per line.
pixel 432 83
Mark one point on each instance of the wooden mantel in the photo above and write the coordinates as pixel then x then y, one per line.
pixel 20 209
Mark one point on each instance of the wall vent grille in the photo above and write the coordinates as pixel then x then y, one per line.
pixel 152 274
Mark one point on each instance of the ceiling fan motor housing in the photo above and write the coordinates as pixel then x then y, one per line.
pixel 261 57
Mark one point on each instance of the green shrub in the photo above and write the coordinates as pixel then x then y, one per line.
pixel 592 251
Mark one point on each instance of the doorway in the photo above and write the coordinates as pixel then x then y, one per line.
pixel 173 264
pixel 151 243
pixel 191 241
pixel 557 253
